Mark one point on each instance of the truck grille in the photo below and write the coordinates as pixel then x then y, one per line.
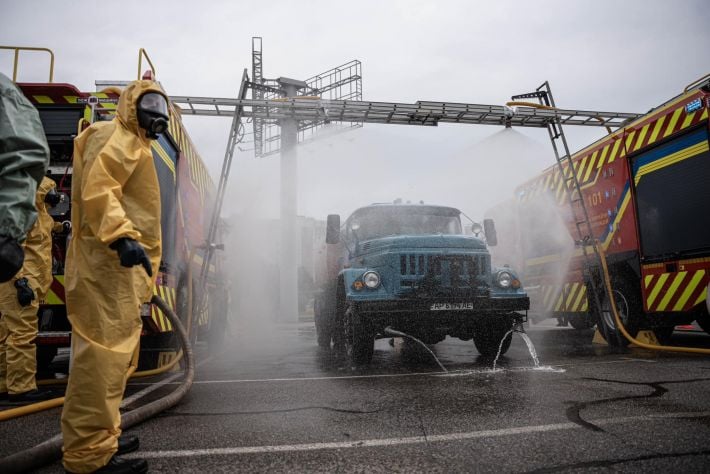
pixel 457 271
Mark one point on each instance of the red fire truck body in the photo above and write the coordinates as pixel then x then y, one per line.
pixel 187 192
pixel 646 188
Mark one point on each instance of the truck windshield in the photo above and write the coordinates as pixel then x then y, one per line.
pixel 382 223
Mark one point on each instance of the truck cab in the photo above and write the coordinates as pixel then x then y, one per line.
pixel 410 267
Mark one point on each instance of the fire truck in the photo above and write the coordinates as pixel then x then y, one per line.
pixel 187 196
pixel 646 187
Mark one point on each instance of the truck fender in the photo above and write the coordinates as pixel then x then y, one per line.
pixel 348 277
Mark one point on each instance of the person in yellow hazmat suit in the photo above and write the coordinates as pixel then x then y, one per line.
pixel 19 302
pixel 113 256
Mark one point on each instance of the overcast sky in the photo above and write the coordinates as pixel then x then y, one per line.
pixel 626 56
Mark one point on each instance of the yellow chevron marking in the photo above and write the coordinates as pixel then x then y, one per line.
pixel 614 153
pixel 703 296
pixel 617 219
pixel 70 99
pixel 705 115
pixel 560 298
pixel 680 155
pixel 671 290
pixel 642 135
pixel 582 293
pixel 697 277
pixel 647 279
pixel 657 129
pixel 164 157
pixel 688 119
pixel 592 162
pixel 570 296
pixel 657 288
pixel 629 140
pixel 43 99
pixel 673 121
pixel 585 306
pixel 580 167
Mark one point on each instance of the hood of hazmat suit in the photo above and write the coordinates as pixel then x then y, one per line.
pixel 115 194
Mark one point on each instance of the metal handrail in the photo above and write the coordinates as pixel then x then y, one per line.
pixel 17 50
pixel 141 53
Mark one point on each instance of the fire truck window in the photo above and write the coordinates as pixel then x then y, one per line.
pixel 165 157
pixel 673 197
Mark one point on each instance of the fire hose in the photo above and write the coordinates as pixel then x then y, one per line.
pixel 51 449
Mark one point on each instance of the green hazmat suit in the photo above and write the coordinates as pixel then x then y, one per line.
pixel 24 157
pixel 18 324
pixel 115 194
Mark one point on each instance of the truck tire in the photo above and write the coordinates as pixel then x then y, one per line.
pixel 490 336
pixel 581 321
pixel 359 337
pixel 324 331
pixel 628 303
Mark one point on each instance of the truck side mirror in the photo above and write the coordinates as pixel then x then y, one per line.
pixel 489 228
pixel 332 232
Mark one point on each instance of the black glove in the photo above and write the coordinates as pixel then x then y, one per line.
pixel 25 295
pixel 132 253
pixel 52 197
pixel 11 258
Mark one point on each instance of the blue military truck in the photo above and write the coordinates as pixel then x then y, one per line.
pixel 410 267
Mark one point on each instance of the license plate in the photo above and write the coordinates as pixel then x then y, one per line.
pixel 450 306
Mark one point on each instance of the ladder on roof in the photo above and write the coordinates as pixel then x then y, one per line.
pixel 585 236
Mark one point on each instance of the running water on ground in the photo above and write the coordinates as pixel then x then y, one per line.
pixel 531 349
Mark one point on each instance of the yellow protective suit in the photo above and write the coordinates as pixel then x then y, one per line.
pixel 18 324
pixel 115 194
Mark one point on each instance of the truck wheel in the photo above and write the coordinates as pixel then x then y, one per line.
pixel 324 333
pixel 580 321
pixel 359 338
pixel 490 332
pixel 630 308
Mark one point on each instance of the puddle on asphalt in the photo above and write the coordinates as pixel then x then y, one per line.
pixel 498 370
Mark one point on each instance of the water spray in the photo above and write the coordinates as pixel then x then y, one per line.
pixel 394 333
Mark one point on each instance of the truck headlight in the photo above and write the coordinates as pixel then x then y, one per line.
pixel 371 279
pixel 505 279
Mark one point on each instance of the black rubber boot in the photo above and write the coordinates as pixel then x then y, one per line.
pixel 127 444
pixel 33 396
pixel 118 465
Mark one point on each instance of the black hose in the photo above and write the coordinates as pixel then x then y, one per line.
pixel 51 450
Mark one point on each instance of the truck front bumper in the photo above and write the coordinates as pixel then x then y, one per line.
pixel 449 306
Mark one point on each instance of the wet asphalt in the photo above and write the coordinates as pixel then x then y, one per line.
pixel 272 401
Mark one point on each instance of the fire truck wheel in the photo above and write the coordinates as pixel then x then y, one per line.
pixel 580 321
pixel 45 356
pixel 629 308
pixel 490 335
pixel 359 337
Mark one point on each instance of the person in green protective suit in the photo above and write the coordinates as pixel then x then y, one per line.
pixel 112 262
pixel 24 157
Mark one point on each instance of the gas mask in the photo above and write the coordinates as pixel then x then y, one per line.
pixel 152 111
pixel 52 197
